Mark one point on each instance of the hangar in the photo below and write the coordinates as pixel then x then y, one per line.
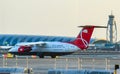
pixel 12 39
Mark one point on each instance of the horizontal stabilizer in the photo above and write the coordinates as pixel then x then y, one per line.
pixel 94 26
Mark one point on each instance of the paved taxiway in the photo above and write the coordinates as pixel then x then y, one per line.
pixel 65 62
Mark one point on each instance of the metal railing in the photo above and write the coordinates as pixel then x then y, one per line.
pixel 61 63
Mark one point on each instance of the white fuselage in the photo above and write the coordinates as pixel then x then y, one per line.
pixel 48 47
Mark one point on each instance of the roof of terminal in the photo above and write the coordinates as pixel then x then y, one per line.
pixel 12 39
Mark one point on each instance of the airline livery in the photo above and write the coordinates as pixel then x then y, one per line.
pixel 54 49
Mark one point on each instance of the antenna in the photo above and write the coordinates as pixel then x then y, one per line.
pixel 111 12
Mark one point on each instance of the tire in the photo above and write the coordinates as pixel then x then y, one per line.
pixel 53 56
pixel 41 56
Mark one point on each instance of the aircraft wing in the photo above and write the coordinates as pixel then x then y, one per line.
pixel 5 47
pixel 40 44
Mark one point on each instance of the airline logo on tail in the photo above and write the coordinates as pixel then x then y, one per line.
pixel 85 31
pixel 83 39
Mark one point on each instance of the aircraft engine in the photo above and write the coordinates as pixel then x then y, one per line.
pixel 24 49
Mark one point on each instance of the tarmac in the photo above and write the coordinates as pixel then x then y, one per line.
pixel 41 66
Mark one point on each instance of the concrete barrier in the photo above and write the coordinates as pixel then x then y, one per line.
pixel 9 70
pixel 75 71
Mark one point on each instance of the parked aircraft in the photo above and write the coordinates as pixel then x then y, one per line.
pixel 54 49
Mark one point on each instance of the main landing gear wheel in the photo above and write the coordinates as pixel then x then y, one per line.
pixel 53 56
pixel 41 56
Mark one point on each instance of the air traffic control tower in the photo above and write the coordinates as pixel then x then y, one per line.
pixel 111 30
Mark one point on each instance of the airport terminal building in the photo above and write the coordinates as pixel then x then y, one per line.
pixel 13 39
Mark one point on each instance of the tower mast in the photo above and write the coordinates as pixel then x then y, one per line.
pixel 112 29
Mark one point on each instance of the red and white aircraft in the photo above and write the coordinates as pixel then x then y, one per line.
pixel 54 49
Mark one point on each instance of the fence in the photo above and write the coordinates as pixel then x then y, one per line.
pixel 61 63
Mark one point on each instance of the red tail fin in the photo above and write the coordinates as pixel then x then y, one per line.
pixel 84 37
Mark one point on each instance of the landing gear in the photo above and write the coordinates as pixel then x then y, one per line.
pixel 41 56
pixel 53 56
pixel 14 56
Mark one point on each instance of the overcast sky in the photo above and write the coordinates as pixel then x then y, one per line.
pixel 56 17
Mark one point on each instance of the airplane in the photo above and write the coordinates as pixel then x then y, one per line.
pixel 53 49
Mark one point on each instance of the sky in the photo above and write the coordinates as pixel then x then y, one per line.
pixel 57 17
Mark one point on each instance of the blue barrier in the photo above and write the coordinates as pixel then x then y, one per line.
pixel 9 70
pixel 75 71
